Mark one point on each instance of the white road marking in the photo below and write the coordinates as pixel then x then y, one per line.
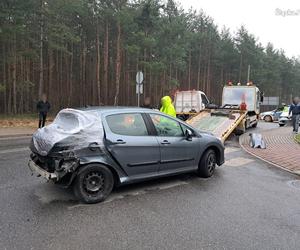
pixel 14 150
pixel 238 161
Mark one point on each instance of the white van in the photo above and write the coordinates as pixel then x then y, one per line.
pixel 190 101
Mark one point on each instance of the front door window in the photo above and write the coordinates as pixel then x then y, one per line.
pixel 165 126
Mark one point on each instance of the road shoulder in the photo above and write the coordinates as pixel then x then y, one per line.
pixel 16 132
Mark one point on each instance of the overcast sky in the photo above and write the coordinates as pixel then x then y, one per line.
pixel 276 21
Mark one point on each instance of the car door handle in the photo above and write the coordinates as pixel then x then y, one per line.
pixel 164 142
pixel 119 141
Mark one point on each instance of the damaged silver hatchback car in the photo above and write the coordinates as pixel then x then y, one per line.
pixel 95 149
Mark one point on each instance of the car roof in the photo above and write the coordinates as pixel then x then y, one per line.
pixel 107 110
pixel 114 109
pixel 104 109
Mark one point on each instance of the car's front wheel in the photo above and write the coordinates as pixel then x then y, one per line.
pixel 268 118
pixel 93 183
pixel 207 164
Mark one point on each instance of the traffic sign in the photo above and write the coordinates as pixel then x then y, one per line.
pixel 139 89
pixel 139 86
pixel 139 77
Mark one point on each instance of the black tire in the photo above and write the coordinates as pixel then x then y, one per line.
pixel 93 183
pixel 207 164
pixel 268 118
pixel 281 124
pixel 254 125
pixel 239 132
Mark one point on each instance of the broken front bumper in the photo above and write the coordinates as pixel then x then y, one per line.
pixel 35 169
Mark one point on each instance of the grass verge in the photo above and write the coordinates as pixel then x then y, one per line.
pixel 297 138
pixel 24 120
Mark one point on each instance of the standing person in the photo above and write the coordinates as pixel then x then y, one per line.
pixel 295 111
pixel 167 106
pixel 147 103
pixel 43 107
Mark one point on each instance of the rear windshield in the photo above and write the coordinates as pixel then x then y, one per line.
pixel 67 121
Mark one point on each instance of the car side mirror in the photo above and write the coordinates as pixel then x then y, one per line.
pixel 188 135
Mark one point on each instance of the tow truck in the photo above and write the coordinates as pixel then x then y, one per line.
pixel 239 111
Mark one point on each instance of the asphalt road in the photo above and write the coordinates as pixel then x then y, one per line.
pixel 247 204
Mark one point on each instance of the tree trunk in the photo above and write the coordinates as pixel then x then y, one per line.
pixel 105 63
pixel 41 81
pixel 22 79
pixel 4 78
pixel 189 69
pixel 98 64
pixel 208 89
pixel 118 63
pixel 9 108
pixel 80 88
pixel 61 82
pixel 27 61
pixel 14 76
pixel 199 68
pixel 50 71
pixel 170 78
pixel 66 82
pixel 55 97
pixel 84 91
pixel 240 71
pixel 71 78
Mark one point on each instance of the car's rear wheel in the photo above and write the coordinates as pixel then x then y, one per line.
pixel 268 118
pixel 281 124
pixel 93 183
pixel 254 125
pixel 207 164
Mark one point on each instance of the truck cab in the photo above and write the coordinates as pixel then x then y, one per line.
pixel 239 111
pixel 249 96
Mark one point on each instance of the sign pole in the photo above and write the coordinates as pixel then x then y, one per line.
pixel 139 95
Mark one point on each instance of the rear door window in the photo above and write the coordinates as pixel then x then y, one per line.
pixel 131 124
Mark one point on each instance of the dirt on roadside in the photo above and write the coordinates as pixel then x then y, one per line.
pixel 13 122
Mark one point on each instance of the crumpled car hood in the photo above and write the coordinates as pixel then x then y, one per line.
pixel 71 128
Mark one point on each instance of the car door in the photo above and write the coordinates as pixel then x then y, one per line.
pixel 128 141
pixel 177 152
pixel 276 114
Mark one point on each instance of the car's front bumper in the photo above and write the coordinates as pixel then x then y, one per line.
pixel 284 120
pixel 35 169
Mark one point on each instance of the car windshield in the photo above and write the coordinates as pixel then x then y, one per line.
pixel 235 96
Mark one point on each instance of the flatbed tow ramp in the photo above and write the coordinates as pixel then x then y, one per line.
pixel 220 122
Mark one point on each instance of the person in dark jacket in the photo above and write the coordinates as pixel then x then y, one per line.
pixel 43 107
pixel 147 103
pixel 295 111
